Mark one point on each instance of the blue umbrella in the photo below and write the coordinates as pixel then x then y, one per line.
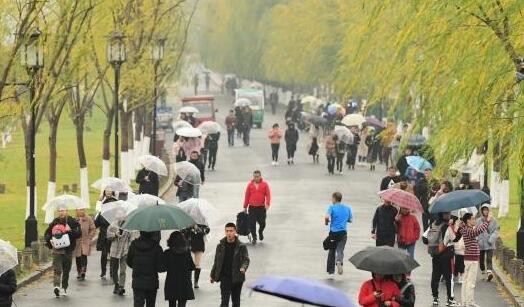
pixel 459 199
pixel 418 163
pixel 301 290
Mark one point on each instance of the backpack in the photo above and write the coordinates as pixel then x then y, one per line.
pixel 435 240
pixel 242 224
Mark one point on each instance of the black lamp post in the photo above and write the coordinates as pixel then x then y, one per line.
pixel 157 53
pixel 520 233
pixel 33 60
pixel 116 55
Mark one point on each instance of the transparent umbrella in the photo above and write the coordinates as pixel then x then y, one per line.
pixel 353 120
pixel 8 257
pixel 112 183
pixel 69 202
pixel 117 211
pixel 188 172
pixel 154 164
pixel 189 132
pixel 146 200
pixel 200 210
pixel 209 127
pixel 180 124
pixel 344 134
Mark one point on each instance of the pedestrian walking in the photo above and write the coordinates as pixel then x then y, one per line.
pixel 362 147
pixel 402 163
pixel 120 241
pixel 207 80
pixel 231 123
pixel 178 149
pixel 211 144
pixel 390 179
pixel 178 264
pixel 8 287
pixel 422 191
pixel 458 248
pixel 240 121
pixel 256 203
pixel 378 291
pixel 338 215
pixel 331 152
pixel 230 266
pixel 196 160
pixel 274 102
pixel 247 123
pixel 145 259
pixel 408 231
pixel 353 149
pixel 103 244
pixel 147 181
pixel 61 236
pixel 185 190
pixel 313 149
pixel 407 290
pixel 275 135
pixel 340 148
pixel 291 137
pixel 196 235
pixel 384 228
pixel 195 83
pixel 470 232
pixel 373 144
pixel 486 242
pixel 83 244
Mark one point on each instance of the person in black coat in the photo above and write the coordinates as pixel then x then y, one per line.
pixel 195 159
pixel 102 243
pixel 402 163
pixel 179 265
pixel 7 288
pixel 384 228
pixel 291 137
pixel 145 258
pixel 390 179
pixel 196 237
pixel 212 147
pixel 148 182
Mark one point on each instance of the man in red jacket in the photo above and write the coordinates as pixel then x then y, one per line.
pixel 256 203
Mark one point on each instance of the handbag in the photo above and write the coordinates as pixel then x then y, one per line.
pixel 60 241
pixel 329 243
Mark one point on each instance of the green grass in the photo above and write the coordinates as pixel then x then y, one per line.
pixel 509 224
pixel 12 204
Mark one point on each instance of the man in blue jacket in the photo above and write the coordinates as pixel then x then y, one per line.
pixel 337 217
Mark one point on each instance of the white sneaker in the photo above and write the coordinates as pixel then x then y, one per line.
pixel 64 292
pixel 273 163
pixel 331 276
pixel 340 268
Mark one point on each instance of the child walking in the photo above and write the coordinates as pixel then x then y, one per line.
pixel 313 149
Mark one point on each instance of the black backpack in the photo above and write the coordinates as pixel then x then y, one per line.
pixel 242 224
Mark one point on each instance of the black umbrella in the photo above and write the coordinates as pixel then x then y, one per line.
pixel 383 260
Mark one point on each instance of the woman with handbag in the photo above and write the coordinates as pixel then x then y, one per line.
pixel 378 292
pixel 83 244
pixel 61 236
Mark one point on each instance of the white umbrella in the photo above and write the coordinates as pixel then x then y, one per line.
pixel 112 183
pixel 188 172
pixel 353 120
pixel 344 134
pixel 242 102
pixel 460 212
pixel 309 99
pixel 180 124
pixel 154 164
pixel 8 257
pixel 209 127
pixel 188 109
pixel 200 210
pixel 117 211
pixel 146 200
pixel 189 132
pixel 69 202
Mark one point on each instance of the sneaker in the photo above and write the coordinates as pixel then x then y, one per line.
pixel 340 268
pixel 56 291
pixel 490 275
pixel 435 301
pixel 331 276
pixel 121 291
pixel 261 236
pixel 115 289
pixel 452 303
pixel 254 241
pixel 461 279
pixel 65 292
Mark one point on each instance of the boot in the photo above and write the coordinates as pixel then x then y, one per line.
pixel 116 289
pixel 197 276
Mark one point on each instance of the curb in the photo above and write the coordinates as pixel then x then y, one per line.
pixel 507 286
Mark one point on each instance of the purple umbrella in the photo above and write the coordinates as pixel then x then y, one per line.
pixel 373 121
pixel 302 290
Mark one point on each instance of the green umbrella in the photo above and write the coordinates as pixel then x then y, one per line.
pixel 156 218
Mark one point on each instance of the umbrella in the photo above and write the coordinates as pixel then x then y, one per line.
pixel 158 218
pixel 418 163
pixel 209 127
pixel 153 164
pixel 69 202
pixel 117 211
pixel 417 140
pixel 200 210
pixel 309 99
pixel 402 199
pixel 373 121
pixel 189 132
pixel 8 257
pixel 383 260
pixel 316 120
pixel 242 102
pixel 353 120
pixel 188 109
pixel 460 212
pixel 305 115
pixel 188 172
pixel 344 134
pixel 146 200
pixel 459 199
pixel 112 183
pixel 301 290
pixel 180 124
pixel 333 108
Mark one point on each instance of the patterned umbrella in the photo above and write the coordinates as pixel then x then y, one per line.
pixel 402 199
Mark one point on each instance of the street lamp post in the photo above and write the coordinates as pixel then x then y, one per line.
pixel 116 55
pixel 157 53
pixel 520 233
pixel 33 60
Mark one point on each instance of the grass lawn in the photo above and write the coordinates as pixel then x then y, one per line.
pixel 509 224
pixel 13 203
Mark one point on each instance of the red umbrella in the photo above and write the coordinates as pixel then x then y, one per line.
pixel 402 199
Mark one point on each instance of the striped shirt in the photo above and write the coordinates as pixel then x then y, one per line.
pixel 469 234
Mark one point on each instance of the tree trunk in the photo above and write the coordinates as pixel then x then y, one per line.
pixel 131 145
pixel 148 127
pixel 106 147
pixel 139 122
pixel 84 175
pixel 51 184
pixel 124 146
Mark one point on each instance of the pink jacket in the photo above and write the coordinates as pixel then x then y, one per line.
pixel 275 135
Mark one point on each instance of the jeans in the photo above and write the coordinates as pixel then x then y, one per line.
pixel 340 162
pixel 229 289
pixel 257 215
pixel 117 269
pixel 441 266
pixel 213 157
pixel 468 285
pixel 246 135
pixel 408 248
pixel 143 298
pixel 486 259
pixel 231 137
pixel 81 264
pixel 61 268
pixel 336 255
pixel 178 303
pixel 274 152
pixel 351 156
pixel 331 163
